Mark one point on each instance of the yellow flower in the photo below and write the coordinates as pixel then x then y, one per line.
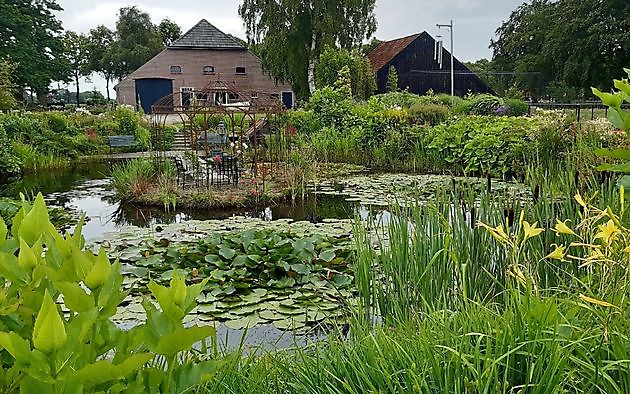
pixel 557 254
pixel 580 200
pixel 608 232
pixel 497 232
pixel 531 230
pixel 562 228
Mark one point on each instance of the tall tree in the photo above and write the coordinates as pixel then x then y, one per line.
pixel 290 35
pixel 330 63
pixel 7 87
pixel 137 40
pixel 570 43
pixel 77 54
pixel 169 31
pixel 30 37
pixel 103 54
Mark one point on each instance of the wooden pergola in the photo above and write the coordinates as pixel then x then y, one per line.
pixel 247 118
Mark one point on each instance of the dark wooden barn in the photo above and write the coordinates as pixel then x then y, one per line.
pixel 413 57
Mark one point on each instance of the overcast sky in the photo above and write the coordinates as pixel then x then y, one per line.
pixel 475 20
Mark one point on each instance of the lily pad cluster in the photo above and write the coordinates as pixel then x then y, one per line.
pixel 290 276
pixel 381 190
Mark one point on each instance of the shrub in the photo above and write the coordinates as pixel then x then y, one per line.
pixel 431 114
pixel 57 122
pixel 516 107
pixel 330 105
pixel 304 121
pixel 484 104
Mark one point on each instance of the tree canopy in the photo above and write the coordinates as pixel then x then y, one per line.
pixel 77 55
pixel 290 35
pixel 169 31
pixel 332 61
pixel 138 40
pixel 30 37
pixel 565 43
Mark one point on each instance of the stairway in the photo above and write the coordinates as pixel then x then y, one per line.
pixel 181 142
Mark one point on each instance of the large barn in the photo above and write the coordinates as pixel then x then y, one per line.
pixel 202 56
pixel 413 57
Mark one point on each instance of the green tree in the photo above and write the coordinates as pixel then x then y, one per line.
pixel 7 87
pixel 392 80
pixel 330 63
pixel 30 37
pixel 290 35
pixel 567 43
pixel 137 40
pixel 103 54
pixel 77 54
pixel 169 31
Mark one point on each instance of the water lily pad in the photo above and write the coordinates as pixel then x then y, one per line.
pixel 244 322
pixel 289 324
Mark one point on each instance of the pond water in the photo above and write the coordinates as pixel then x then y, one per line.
pixel 87 188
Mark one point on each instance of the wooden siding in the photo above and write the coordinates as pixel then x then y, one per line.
pixel 419 72
pixel 192 62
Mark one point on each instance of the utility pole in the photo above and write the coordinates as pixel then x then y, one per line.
pixel 450 28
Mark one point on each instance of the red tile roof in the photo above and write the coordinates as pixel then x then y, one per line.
pixel 386 51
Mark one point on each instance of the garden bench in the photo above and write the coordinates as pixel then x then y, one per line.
pixel 121 141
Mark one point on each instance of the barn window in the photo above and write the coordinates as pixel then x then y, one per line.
pixel 240 70
pixel 176 69
pixel 208 70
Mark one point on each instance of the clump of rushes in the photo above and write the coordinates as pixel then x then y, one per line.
pixel 133 178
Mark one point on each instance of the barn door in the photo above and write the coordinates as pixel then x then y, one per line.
pixel 287 99
pixel 150 90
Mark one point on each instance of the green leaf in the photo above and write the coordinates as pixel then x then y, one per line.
pixel 621 154
pixel 49 333
pixel 75 298
pixel 300 269
pixel 327 255
pixel 183 339
pixel 26 257
pixel 244 322
pixel 36 222
pixel 104 371
pixel 608 99
pixel 17 347
pixel 227 253
pixel 99 272
pixel 3 231
pixel 625 168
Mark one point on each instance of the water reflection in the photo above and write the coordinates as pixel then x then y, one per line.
pixel 86 188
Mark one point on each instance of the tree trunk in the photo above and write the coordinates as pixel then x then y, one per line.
pixel 41 98
pixel 76 79
pixel 107 88
pixel 311 63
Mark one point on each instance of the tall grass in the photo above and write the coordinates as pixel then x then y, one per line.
pixel 441 309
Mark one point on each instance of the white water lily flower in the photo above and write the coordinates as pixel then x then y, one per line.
pixel 232 144
pixel 245 146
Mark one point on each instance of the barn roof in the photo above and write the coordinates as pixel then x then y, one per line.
pixel 205 36
pixel 387 50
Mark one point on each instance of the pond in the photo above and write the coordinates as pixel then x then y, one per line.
pixel 86 188
pixel 143 239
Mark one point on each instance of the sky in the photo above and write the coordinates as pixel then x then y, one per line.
pixel 475 21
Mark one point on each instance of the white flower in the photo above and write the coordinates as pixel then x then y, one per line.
pixel 245 146
pixel 238 152
pixel 232 144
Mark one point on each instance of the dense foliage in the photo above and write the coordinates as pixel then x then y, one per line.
pixel 290 35
pixel 564 47
pixel 480 135
pixel 32 141
pixel 48 349
pixel 30 39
